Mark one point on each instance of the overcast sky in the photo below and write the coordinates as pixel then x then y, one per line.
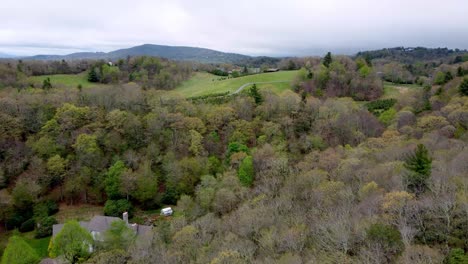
pixel 254 27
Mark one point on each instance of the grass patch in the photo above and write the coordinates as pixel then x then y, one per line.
pixel 67 80
pixel 83 212
pixel 277 88
pixel 41 245
pixel 393 90
pixel 203 83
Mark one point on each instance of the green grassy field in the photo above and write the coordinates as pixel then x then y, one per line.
pixel 392 90
pixel 67 80
pixel 203 83
pixel 41 245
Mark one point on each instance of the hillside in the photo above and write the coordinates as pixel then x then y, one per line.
pixel 170 52
pixel 205 83
pixel 335 165
pixel 411 55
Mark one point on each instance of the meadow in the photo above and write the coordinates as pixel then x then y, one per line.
pixel 203 83
pixel 393 90
pixel 67 80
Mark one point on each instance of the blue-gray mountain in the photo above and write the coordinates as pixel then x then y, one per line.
pixel 170 52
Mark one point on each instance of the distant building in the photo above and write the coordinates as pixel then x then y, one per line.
pixel 272 70
pixel 254 70
pixel 99 224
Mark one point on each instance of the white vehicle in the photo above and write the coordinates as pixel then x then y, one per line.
pixel 166 211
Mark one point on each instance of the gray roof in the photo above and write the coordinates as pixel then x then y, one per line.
pixel 140 229
pixel 48 261
pixel 101 224
pixel 58 227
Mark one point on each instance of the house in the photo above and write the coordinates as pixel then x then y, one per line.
pixel 99 224
pixel 272 70
pixel 167 211
pixel 254 70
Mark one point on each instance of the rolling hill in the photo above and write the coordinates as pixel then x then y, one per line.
pixel 169 52
pixel 205 83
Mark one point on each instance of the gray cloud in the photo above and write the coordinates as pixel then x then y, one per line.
pixel 256 27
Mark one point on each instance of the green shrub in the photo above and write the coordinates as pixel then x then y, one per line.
pixel 457 256
pixel 14 221
pixel 44 226
pixel 235 147
pixel 246 171
pixel 463 88
pixel 388 116
pixel 117 207
pixel 318 142
pixel 19 252
pixel 45 208
pixel 387 238
pixel 27 226
pixel 378 106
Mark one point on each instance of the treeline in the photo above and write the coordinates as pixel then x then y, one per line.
pixel 150 72
pixel 339 77
pixel 39 67
pixel 417 55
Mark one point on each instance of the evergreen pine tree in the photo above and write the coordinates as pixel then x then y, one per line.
pixel 245 70
pixel 463 88
pixel 460 71
pixel 255 94
pixel 46 84
pixel 419 165
pixel 327 60
pixel 92 76
pixel 448 77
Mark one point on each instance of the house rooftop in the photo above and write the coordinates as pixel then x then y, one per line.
pixel 101 224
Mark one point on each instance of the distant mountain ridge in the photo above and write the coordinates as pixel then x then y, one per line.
pixel 413 54
pixel 6 56
pixel 180 53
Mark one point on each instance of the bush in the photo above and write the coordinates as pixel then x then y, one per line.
pixel 219 72
pixel 235 147
pixel 463 88
pixel 388 116
pixel 14 221
pixel 457 256
pixel 429 123
pixel 27 226
pixel 387 238
pixel 117 207
pixel 44 227
pixel 45 208
pixel 443 78
pixel 378 106
pixel 246 171
pixel 18 251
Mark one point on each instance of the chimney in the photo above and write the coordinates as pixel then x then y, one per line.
pixel 125 217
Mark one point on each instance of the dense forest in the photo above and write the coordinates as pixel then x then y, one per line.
pixel 330 171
